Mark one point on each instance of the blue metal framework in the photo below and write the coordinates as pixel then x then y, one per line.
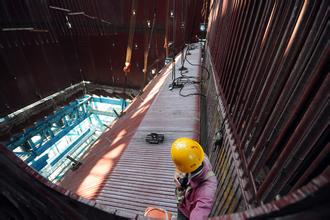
pixel 72 129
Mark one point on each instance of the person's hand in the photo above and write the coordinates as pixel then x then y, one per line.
pixel 178 175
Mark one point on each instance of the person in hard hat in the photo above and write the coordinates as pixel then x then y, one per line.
pixel 195 181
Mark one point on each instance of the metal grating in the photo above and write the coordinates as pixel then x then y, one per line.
pixel 103 156
pixel 125 173
pixel 144 174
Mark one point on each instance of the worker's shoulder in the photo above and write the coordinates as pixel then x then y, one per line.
pixel 209 180
pixel 207 188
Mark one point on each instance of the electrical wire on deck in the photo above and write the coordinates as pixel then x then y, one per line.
pixel 183 80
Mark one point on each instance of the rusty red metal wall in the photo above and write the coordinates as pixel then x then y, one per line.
pixel 38 62
pixel 269 62
pixel 27 195
pixel 309 202
pixel 229 197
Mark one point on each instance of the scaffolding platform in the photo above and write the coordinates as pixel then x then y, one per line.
pixel 122 170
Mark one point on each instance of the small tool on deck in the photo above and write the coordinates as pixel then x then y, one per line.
pixel 155 138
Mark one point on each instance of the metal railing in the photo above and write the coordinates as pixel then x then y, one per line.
pixel 269 62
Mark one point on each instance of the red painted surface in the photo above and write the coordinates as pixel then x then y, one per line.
pixel 270 60
pixel 101 159
pixel 291 199
pixel 143 175
pixel 92 49
pixel 35 175
pixel 270 65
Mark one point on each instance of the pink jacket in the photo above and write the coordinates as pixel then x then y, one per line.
pixel 198 201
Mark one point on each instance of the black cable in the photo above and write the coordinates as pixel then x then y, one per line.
pixel 202 66
pixel 187 80
pixel 208 72
pixel 182 80
pixel 173 35
pixel 190 94
pixel 184 54
pixel 182 85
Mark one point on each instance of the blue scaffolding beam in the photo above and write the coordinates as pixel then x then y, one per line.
pixel 43 145
pixel 50 129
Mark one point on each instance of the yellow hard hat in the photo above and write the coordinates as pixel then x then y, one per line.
pixel 187 154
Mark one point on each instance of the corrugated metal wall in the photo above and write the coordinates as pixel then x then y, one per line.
pixel 46 46
pixel 269 64
pixel 311 201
